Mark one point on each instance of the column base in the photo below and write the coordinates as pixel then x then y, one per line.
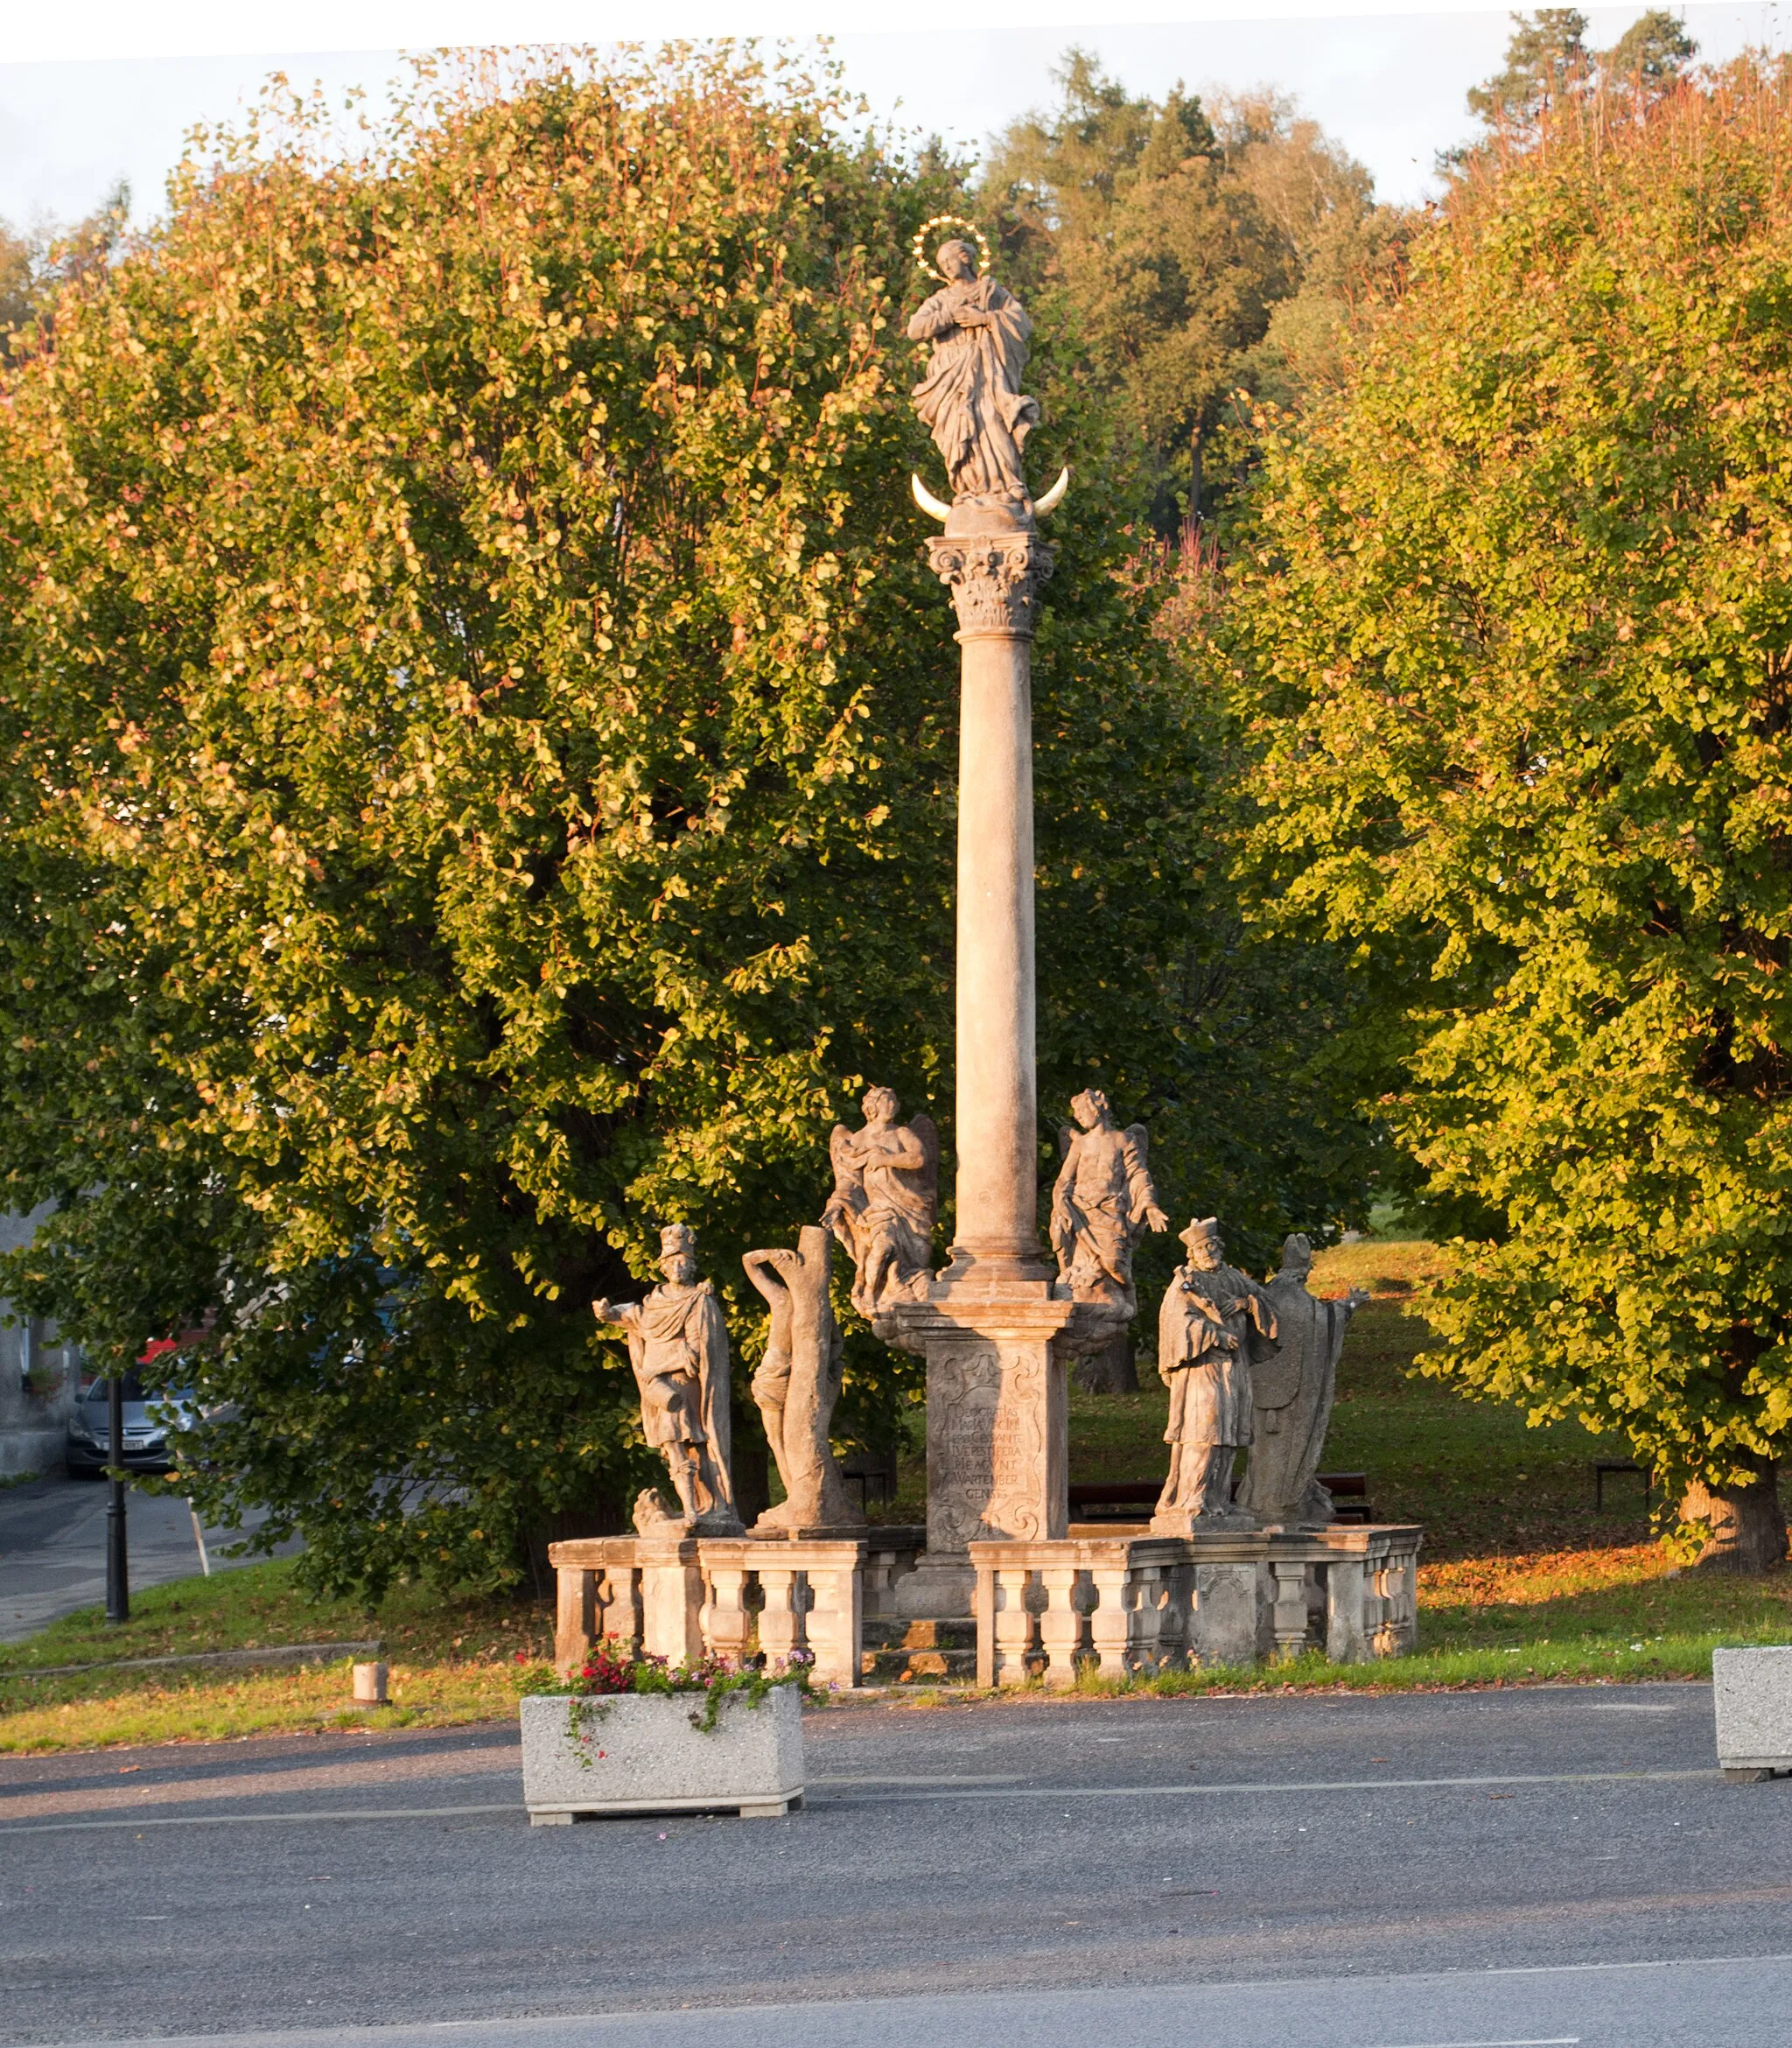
pixel 1179 1522
pixel 939 1589
pixel 997 1356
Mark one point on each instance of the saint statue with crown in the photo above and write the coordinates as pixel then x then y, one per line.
pixel 678 1346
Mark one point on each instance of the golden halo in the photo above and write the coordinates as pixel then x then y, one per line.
pixel 923 234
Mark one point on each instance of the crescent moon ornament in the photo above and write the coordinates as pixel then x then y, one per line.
pixel 1043 508
pixel 928 501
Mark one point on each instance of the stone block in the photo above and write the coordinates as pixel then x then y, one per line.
pixel 1752 1692
pixel 1232 1616
pixel 918 1652
pixel 642 1754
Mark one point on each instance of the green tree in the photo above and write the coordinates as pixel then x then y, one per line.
pixel 1549 65
pixel 35 264
pixel 1547 62
pixel 482 736
pixel 1168 236
pixel 1516 619
pixel 1650 54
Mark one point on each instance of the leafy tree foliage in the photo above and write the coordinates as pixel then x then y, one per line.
pixel 35 264
pixel 482 738
pixel 1548 64
pixel 1196 250
pixel 1518 619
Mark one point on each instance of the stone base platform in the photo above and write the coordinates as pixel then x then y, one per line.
pixel 901 1651
pixel 1121 1599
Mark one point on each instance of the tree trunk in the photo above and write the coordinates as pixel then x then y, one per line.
pixel 1112 1370
pixel 1748 1523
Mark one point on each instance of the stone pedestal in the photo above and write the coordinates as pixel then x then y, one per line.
pixel 671 1598
pixel 997 1422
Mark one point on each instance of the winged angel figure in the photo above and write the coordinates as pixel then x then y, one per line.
pixel 886 1188
pixel 1101 1203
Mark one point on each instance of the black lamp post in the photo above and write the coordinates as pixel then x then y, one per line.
pixel 117 1558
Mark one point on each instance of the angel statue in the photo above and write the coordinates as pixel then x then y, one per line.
pixel 886 1185
pixel 1101 1203
pixel 678 1346
pixel 971 400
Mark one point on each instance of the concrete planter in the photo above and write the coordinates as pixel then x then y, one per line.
pixel 640 1754
pixel 1752 1690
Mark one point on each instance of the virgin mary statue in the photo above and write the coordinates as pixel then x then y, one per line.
pixel 971 400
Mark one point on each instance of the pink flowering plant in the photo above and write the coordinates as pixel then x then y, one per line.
pixel 610 1669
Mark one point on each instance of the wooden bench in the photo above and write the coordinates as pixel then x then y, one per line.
pixel 1109 1500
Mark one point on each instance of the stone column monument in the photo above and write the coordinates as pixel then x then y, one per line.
pixel 996 1330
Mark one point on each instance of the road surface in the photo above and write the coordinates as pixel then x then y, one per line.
pixel 1552 1865
pixel 53 1548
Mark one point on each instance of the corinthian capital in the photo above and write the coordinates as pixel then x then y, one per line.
pixel 994 581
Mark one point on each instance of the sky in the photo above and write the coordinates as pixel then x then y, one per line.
pixel 95 90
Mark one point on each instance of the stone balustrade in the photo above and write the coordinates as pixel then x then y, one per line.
pixel 732 1596
pixel 1123 1603
pixel 1135 1605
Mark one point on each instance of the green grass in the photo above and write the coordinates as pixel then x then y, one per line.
pixel 452 1659
pixel 262 1606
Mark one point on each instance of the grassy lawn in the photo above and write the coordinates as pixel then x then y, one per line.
pixel 1521 1580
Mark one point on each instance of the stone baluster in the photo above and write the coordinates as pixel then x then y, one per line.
pixel 1379 1609
pixel 1346 1642
pixel 780 1619
pixel 878 1596
pixel 1395 1578
pixel 726 1625
pixel 1060 1625
pixel 1146 1602
pixel 1176 1617
pixel 1110 1624
pixel 619 1606
pixel 1013 1627
pixel 1288 1616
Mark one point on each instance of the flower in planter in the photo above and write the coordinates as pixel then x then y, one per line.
pixel 608 1671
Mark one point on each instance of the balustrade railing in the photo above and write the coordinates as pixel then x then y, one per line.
pixel 1121 1606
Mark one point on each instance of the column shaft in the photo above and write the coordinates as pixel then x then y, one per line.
pixel 998 1102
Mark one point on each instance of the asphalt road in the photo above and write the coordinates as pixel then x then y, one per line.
pixel 52 1547
pixel 1557 1865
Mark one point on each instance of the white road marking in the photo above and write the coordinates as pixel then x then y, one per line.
pixel 244 1819
pixel 1343 1784
pixel 960 1789
pixel 879 1778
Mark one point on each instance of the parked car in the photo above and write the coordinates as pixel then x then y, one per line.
pixel 152 1427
